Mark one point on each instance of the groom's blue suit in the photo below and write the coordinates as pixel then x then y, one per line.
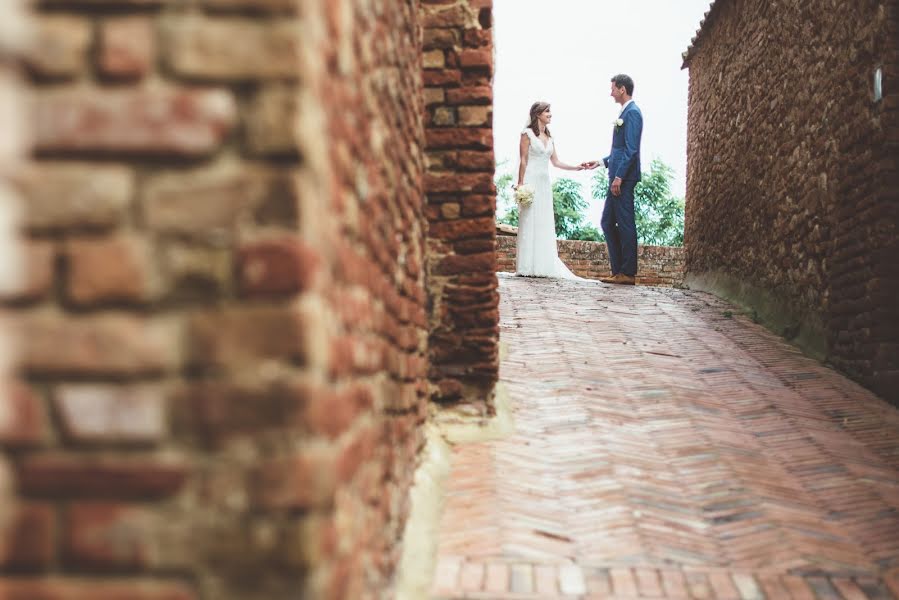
pixel 618 214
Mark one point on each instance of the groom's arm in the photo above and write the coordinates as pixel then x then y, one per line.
pixel 633 131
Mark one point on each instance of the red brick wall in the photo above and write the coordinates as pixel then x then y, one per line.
pixel 225 367
pixel 657 265
pixel 793 173
pixel 12 149
pixel 458 61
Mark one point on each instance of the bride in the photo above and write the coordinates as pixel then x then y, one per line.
pixel 537 255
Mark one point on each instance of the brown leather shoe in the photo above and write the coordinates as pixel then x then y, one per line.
pixel 622 279
pixel 609 278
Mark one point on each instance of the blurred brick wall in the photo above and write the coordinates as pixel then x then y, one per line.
pixel 226 366
pixel 13 36
pixel 793 170
pixel 458 61
pixel 657 265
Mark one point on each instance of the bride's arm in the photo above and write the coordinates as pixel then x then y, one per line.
pixel 523 147
pixel 560 165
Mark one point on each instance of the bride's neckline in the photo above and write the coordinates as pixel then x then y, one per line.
pixel 546 144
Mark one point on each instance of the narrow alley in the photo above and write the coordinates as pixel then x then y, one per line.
pixel 666 446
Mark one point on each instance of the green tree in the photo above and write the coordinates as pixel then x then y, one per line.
pixel 569 206
pixel 659 215
pixel 507 208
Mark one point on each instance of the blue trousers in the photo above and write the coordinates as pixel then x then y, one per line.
pixel 620 229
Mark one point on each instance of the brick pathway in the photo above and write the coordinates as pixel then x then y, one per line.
pixel 667 448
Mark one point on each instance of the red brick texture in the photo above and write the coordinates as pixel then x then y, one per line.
pixel 793 189
pixel 227 354
pixel 658 265
pixel 22 418
pixel 458 63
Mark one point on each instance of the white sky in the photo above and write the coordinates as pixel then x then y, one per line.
pixel 565 52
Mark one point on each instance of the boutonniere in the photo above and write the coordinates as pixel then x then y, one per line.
pixel 619 123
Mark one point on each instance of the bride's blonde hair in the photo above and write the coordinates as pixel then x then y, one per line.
pixel 537 109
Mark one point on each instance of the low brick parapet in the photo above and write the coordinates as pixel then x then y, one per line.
pixel 657 265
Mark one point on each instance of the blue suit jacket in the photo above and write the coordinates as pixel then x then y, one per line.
pixel 624 161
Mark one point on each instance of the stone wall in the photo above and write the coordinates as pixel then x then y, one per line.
pixel 656 265
pixel 458 60
pixel 793 174
pixel 225 324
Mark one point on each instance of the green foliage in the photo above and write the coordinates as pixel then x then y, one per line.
pixel 505 201
pixel 569 206
pixel 659 215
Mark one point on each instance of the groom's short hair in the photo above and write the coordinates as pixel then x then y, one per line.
pixel 624 81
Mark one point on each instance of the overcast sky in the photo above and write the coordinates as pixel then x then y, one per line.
pixel 565 52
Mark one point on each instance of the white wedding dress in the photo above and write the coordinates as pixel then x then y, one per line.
pixel 537 255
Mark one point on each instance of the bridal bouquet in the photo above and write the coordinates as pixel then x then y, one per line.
pixel 524 195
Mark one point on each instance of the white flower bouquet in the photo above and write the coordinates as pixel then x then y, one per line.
pixel 524 195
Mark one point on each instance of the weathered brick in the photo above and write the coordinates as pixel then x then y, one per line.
pixel 357 452
pixel 210 203
pixel 276 266
pixel 434 59
pixel 29 541
pixel 449 15
pixel 450 210
pixel 454 264
pixel 332 414
pixel 242 336
pixel 232 49
pixel 175 122
pixel 127 47
pixel 270 121
pixel 434 96
pixel 441 38
pixel 60 588
pixel 59 47
pixel 476 138
pixel 94 413
pixel 475 161
pixel 23 419
pixel 470 95
pixel 307 480
pixel 459 182
pixel 39 268
pixel 107 535
pixel 74 196
pixel 475 116
pixel 196 270
pixel 94 278
pixel 443 77
pixel 112 344
pixel 68 475
pixel 461 229
pixel 215 411
pixel 443 116
pixel 477 58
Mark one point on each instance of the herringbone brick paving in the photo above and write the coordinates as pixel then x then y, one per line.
pixel 667 447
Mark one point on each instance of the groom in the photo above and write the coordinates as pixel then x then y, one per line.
pixel 624 172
